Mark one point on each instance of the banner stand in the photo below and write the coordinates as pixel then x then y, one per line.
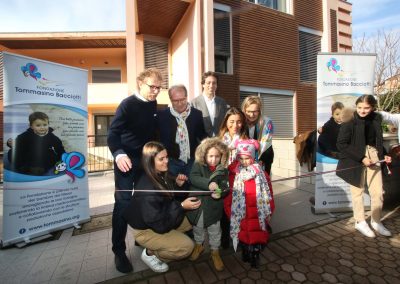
pixel 29 241
pixel 341 79
pixel 45 148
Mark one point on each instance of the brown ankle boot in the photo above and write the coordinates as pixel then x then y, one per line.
pixel 197 251
pixel 218 264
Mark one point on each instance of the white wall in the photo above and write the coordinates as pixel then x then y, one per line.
pixel 286 163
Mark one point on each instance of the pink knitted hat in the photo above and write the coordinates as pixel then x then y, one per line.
pixel 247 147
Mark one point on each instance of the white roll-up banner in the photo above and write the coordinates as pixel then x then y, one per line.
pixel 341 77
pixel 45 147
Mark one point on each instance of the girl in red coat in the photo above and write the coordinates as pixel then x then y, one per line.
pixel 250 203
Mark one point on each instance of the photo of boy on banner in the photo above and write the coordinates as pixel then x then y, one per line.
pixel 329 132
pixel 37 150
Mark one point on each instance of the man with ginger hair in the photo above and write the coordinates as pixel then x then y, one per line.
pixel 133 126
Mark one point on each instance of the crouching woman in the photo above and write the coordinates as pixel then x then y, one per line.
pixel 157 216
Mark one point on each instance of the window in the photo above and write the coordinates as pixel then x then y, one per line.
pixel 268 3
pixel 277 105
pixel 280 5
pixel 310 45
pixel 156 56
pixel 222 39
pixel 106 76
pixel 102 124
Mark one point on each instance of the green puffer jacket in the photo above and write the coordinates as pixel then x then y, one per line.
pixel 200 178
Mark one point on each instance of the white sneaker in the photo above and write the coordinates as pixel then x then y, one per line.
pixel 154 263
pixel 364 229
pixel 378 227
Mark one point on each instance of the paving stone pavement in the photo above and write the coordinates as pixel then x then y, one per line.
pixel 330 253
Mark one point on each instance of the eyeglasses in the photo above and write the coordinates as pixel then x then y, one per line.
pixel 252 112
pixel 179 101
pixel 154 88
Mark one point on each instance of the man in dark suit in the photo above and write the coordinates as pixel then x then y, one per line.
pixel 212 107
pixel 133 126
pixel 181 129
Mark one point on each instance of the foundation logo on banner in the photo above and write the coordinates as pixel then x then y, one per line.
pixel 71 163
pixel 333 66
pixel 30 70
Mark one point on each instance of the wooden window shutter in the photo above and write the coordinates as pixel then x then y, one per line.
pixel 310 45
pixel 2 101
pixel 334 32
pixel 1 76
pixel 222 40
pixel 156 56
pixel 279 108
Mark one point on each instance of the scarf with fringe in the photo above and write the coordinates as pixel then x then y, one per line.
pixel 263 196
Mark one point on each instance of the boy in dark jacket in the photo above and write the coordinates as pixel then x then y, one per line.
pixel 37 150
pixel 328 133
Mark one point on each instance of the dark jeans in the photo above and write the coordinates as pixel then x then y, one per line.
pixel 123 181
pixel 225 231
pixel 267 158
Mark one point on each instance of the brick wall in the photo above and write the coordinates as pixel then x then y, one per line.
pixel 266 55
pixel 306 106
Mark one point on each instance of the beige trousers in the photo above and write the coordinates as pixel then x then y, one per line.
pixel 373 177
pixel 173 245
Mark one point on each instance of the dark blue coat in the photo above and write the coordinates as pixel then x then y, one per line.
pixel 34 154
pixel 132 127
pixel 167 126
pixel 327 139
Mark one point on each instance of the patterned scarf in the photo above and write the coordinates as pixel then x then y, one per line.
pixel 231 145
pixel 182 135
pixel 263 196
pixel 265 130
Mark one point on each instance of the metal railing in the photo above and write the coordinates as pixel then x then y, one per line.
pixel 99 157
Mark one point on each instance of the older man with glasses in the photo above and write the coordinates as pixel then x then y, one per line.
pixel 133 126
pixel 181 129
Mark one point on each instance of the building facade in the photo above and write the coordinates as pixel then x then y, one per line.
pixel 263 47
